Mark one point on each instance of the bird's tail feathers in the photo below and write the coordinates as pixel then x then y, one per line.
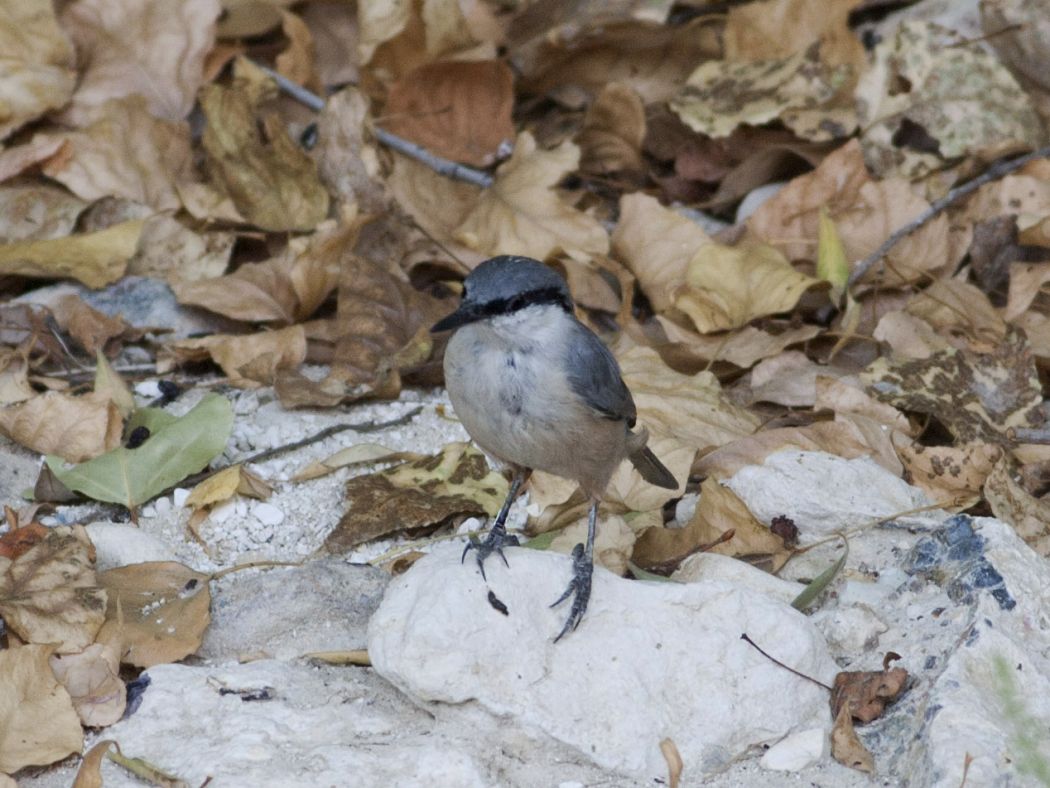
pixel 642 458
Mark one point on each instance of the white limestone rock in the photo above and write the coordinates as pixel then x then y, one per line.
pixel 117 544
pixel 705 567
pixel 798 751
pixel 649 661
pixel 822 493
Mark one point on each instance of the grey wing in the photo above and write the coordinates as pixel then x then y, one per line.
pixel 595 376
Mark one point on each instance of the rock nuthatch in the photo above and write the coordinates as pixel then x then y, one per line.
pixel 537 390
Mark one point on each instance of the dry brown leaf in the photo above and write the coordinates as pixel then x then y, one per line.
pixel 979 397
pixel 1026 280
pixel 96 259
pixel 18 540
pixel 690 352
pixel 522 213
pixel 284 290
pixel 110 385
pixel 675 764
pixel 909 337
pixel 225 484
pixel 249 18
pixel 334 30
pixel 247 359
pixel 49 593
pixel 455 109
pixel 75 428
pixel 960 312
pixel 613 541
pixel 123 151
pixel 718 512
pixel 613 131
pixel 347 164
pixel 90 328
pixel 271 180
pixel 789 378
pixel 157 611
pixel 831 437
pixel 170 250
pixel 1013 504
pixel 653 59
pixel 422 493
pixel 153 48
pixel 14 378
pixel 36 73
pixel 846 746
pixel 683 413
pixel 948 473
pixel 656 244
pixel 38 725
pixel 353 455
pixel 19 158
pixel 866 693
pixel 777 28
pixel 92 679
pixel 89 775
pixel 727 287
pixel 297 61
pixel 33 212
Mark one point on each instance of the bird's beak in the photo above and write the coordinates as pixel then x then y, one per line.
pixel 465 314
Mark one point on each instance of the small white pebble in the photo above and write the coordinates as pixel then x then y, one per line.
pixel 180 494
pixel 468 525
pixel 162 506
pixel 148 511
pixel 148 389
pixel 223 511
pixel 268 514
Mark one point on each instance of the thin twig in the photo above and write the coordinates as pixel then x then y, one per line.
pixel 999 170
pixel 252 565
pixel 327 432
pixel 776 661
pixel 446 167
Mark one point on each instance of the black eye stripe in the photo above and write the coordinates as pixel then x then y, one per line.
pixel 555 296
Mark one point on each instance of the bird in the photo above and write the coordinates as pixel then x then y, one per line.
pixel 536 389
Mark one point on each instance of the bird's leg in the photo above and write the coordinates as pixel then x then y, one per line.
pixel 582 569
pixel 497 537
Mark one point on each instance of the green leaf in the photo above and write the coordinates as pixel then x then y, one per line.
pixel 153 419
pixel 821 581
pixel 172 452
pixel 832 265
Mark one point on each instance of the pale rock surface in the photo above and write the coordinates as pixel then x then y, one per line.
pixel 117 544
pixel 649 661
pixel 797 751
pixel 704 567
pixel 852 629
pixel 822 493
pixel 285 612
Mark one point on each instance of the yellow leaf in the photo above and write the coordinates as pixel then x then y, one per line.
pixel 728 287
pixel 832 265
pixel 96 259
pixel 218 487
pixel 111 386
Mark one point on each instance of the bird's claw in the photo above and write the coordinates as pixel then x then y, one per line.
pixel 580 586
pixel 494 542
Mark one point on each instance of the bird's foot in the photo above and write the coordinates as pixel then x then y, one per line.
pixel 494 542
pixel 579 588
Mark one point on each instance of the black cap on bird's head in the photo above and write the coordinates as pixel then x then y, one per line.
pixel 503 285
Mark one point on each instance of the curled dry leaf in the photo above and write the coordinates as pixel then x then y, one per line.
pixel 961 313
pixel 1013 504
pixel 124 151
pixel 417 494
pixel 89 775
pixel 152 48
pixel 297 61
pixel 522 213
pixel 846 746
pixel 656 244
pixel 37 74
pixel 675 764
pixel 353 455
pixel 689 352
pixel 957 100
pixel 96 259
pixel 719 512
pixel 460 110
pixel 778 28
pixel 19 539
pixel 38 724
pixel 347 164
pixel 110 385
pixel 727 287
pixel 977 396
pixel 866 693
pixel 613 131
pixel 170 250
pixel 613 541
pixel 92 679
pixel 157 611
pixel 92 329
pixel 225 484
pixel 273 183
pixel 14 378
pixel 49 593
pixel 18 158
pixel 721 95
pixel 249 360
pixel 286 289
pixel 75 428
pixel 35 212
